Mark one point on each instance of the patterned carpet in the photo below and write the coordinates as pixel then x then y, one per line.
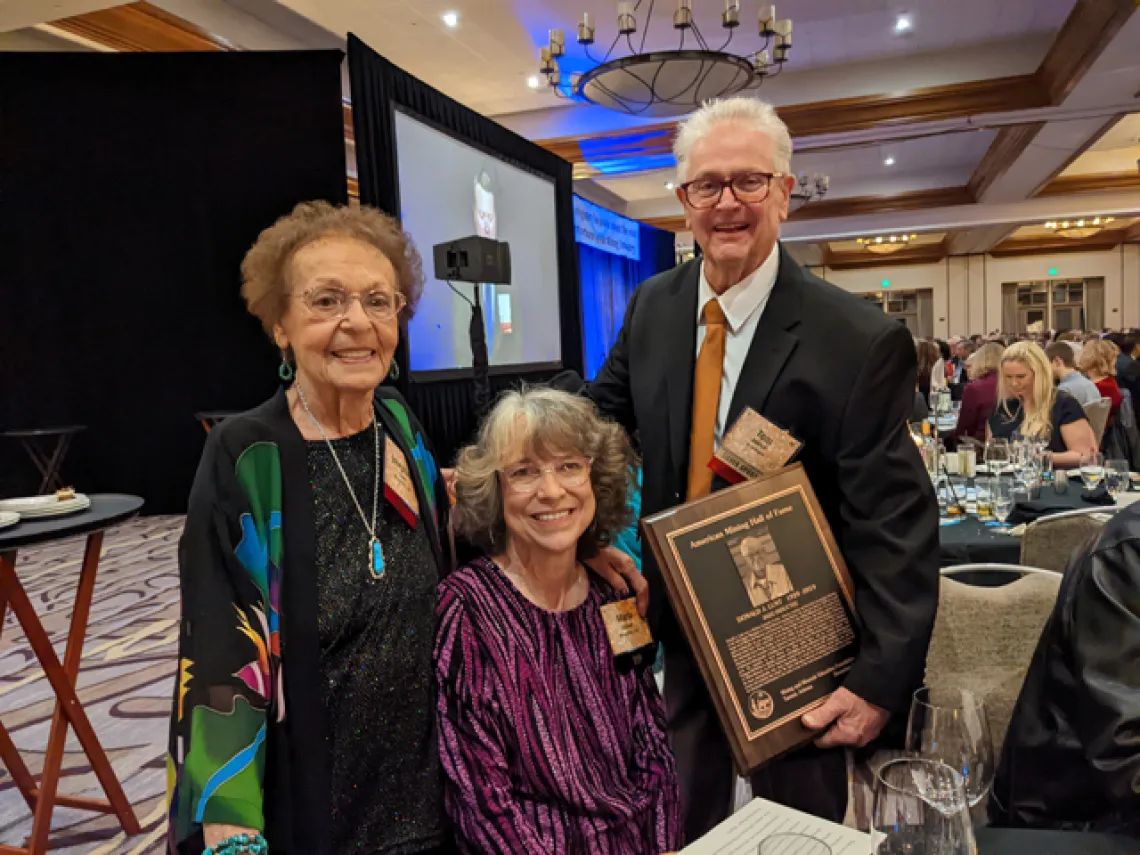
pixel 125 682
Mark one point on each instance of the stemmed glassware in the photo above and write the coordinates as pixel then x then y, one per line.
pixel 950 725
pixel 919 808
pixel 1092 469
pixel 1116 477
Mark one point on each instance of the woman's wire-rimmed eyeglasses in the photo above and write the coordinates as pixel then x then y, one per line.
pixel 328 303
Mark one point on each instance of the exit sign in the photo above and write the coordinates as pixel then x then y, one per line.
pixel 886 283
pixel 1052 271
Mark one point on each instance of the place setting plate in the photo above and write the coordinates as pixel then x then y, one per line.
pixel 35 507
pixel 8 518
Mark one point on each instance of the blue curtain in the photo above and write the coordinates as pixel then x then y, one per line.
pixel 608 281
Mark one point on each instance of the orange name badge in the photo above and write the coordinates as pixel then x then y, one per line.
pixel 399 489
pixel 752 447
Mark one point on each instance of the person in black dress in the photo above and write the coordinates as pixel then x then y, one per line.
pixel 1030 405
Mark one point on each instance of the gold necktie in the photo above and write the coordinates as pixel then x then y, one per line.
pixel 706 400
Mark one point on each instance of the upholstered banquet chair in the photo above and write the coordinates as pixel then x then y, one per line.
pixel 1050 541
pixel 1097 413
pixel 984 637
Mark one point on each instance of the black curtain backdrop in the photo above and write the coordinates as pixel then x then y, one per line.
pixel 131 186
pixel 447 407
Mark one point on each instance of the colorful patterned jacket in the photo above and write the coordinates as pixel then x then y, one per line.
pixel 247 744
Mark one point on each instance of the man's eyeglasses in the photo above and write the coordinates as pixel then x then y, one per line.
pixel 524 478
pixel 328 303
pixel 748 187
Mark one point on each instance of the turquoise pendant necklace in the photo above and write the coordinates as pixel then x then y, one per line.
pixel 375 552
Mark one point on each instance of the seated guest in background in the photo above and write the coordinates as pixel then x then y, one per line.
pixel 1075 339
pixel 278 545
pixel 928 367
pixel 1029 403
pixel 980 395
pixel 546 745
pixel 1069 379
pixel 1098 362
pixel 1071 758
pixel 1127 367
pixel 920 412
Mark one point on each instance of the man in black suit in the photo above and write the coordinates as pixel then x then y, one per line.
pixel 820 363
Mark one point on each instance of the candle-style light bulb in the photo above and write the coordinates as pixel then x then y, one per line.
pixel 557 43
pixel 585 30
pixel 767 21
pixel 627 23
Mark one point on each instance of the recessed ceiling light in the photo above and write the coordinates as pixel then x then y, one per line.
pixel 902 24
pixel 451 19
pixel 888 161
pixel 669 185
pixel 533 82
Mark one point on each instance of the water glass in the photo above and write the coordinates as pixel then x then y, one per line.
pixel 942 489
pixel 950 725
pixel 985 506
pixel 958 484
pixel 790 843
pixel 1116 477
pixel 997 456
pixel 1092 469
pixel 919 808
pixel 1001 491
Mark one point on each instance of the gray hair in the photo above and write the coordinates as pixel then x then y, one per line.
pixel 750 113
pixel 543 421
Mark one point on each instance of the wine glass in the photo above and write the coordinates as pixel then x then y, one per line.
pixel 950 725
pixel 1092 469
pixel 1001 500
pixel 1116 477
pixel 997 456
pixel 790 843
pixel 919 808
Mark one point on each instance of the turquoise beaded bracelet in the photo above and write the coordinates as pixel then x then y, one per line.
pixel 240 844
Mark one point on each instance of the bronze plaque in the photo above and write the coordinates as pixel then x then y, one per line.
pixel 757 582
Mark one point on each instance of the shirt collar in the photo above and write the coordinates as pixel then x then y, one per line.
pixel 744 298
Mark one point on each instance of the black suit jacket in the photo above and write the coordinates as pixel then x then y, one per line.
pixel 839 375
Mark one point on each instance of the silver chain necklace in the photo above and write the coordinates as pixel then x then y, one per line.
pixel 375 552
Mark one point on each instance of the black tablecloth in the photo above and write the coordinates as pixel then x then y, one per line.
pixel 1020 841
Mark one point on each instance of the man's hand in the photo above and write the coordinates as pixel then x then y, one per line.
pixel 618 569
pixel 849 720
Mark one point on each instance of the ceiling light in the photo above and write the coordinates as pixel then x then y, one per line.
pixel 902 24
pixel 885 245
pixel 652 81
pixel 888 161
pixel 669 185
pixel 451 19
pixel 1078 229
pixel 533 81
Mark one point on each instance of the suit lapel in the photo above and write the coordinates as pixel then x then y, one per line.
pixel 678 332
pixel 773 342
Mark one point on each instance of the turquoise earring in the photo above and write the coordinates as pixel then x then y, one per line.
pixel 285 371
pixel 394 371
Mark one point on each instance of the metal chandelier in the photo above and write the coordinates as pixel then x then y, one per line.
pixel 667 82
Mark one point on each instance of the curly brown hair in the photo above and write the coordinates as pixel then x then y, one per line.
pixel 543 421
pixel 1099 357
pixel 266 267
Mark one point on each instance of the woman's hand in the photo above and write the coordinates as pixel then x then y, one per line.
pixel 215 834
pixel 618 569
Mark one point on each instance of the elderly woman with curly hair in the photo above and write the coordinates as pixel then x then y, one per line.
pixel 547 746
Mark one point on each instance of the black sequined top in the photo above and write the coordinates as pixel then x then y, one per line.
pixel 376 638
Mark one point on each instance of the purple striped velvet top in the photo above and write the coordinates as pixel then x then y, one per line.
pixel 546 748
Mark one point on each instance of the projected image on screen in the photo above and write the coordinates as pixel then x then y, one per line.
pixel 450 190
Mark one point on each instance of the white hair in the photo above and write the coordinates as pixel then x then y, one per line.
pixel 750 113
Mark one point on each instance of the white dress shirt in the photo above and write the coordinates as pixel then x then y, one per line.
pixel 743 304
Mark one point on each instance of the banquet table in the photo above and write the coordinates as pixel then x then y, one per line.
pixel 42 797
pixel 1027 841
pixel 967 540
pixel 49 463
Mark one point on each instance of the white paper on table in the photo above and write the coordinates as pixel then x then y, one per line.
pixel 743 832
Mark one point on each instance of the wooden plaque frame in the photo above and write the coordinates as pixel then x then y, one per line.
pixel 716 607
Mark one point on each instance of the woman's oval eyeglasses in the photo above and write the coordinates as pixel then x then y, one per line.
pixel 328 303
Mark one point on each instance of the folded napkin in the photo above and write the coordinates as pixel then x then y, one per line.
pixel 1099 496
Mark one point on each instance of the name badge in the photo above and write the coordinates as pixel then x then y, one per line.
pixel 753 447
pixel 399 489
pixel 630 638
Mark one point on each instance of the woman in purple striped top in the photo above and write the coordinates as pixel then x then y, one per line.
pixel 546 748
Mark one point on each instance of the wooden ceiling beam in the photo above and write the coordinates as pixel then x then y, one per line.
pixel 1107 239
pixel 927 253
pixel 1132 234
pixel 1089 29
pixel 142 27
pixel 1069 185
pixel 911 200
pixel 1009 144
